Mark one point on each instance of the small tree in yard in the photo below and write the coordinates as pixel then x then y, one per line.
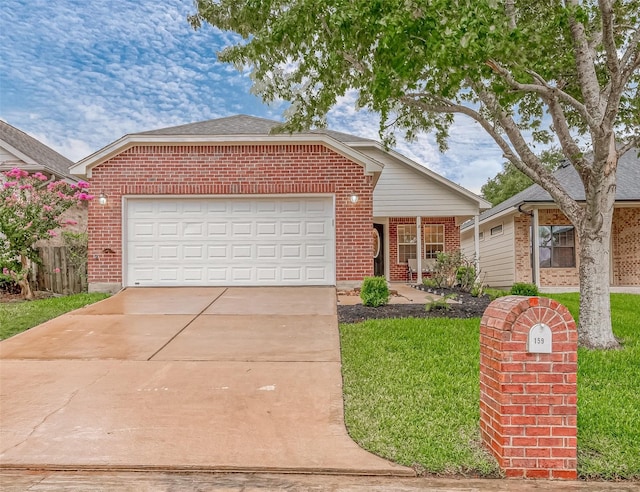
pixel 544 71
pixel 30 210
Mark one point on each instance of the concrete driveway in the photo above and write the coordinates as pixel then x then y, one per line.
pixel 219 379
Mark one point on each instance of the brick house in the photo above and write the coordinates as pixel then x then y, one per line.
pixel 228 202
pixel 509 231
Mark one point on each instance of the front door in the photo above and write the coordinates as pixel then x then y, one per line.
pixel 378 250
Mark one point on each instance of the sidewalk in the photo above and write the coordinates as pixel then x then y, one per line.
pixel 19 481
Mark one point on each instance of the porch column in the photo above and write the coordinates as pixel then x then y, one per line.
pixel 535 250
pixel 419 249
pixel 476 241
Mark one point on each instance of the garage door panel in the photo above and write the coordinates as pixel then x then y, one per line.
pixel 267 251
pixel 229 241
pixel 240 229
pixel 291 229
pixel 268 229
pixel 217 229
pixel 215 252
pixel 168 230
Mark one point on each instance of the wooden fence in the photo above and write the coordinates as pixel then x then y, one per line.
pixel 59 272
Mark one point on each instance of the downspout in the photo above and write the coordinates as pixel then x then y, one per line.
pixel 476 240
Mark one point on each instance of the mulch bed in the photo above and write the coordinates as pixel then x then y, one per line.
pixel 469 307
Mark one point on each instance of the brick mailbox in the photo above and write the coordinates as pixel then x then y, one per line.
pixel 528 399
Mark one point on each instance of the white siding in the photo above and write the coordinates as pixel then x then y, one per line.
pixel 497 253
pixel 405 192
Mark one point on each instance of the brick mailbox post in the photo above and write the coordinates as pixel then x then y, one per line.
pixel 528 399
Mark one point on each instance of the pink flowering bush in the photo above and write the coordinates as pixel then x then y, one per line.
pixel 30 210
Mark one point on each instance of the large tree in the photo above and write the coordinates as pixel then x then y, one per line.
pixel 549 70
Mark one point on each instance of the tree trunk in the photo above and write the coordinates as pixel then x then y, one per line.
pixel 23 282
pixel 594 326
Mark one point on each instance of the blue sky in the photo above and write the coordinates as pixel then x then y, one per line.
pixel 78 75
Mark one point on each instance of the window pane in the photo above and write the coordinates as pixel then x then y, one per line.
pixel 406 252
pixel 544 233
pixel 563 258
pixel 406 242
pixel 557 246
pixel 545 257
pixel 433 240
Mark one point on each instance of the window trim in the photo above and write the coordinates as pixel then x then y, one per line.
pixel 497 233
pixel 551 247
pixel 398 243
pixel 424 242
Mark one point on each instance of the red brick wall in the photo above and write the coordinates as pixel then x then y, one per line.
pixel 231 169
pixel 522 244
pixel 398 271
pixel 528 401
pixel 626 246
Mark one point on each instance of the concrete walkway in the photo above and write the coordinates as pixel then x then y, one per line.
pixel 187 379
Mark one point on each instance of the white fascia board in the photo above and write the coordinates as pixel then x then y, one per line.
pixel 482 203
pixel 84 166
pixel 20 155
pixel 503 213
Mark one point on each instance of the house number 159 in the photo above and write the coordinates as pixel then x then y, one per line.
pixel 539 341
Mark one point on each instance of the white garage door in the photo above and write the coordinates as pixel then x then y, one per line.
pixel 230 241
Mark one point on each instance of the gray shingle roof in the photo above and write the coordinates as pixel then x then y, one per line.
pixel 45 156
pixel 627 178
pixel 242 125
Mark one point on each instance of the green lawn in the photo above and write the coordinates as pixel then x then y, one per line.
pixel 411 394
pixel 19 316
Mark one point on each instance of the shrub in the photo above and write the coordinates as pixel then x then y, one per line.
pixel 430 283
pixel 466 276
pixel 447 265
pixel 440 303
pixel 524 289
pixel 495 293
pixel 374 292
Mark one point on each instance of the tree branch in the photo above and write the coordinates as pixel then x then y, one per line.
pixel 510 10
pixel 545 90
pixel 633 142
pixel 528 162
pixel 569 147
pixel 446 106
pixel 632 50
pixel 584 63
pixel 608 39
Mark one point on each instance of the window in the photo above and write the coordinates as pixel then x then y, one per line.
pixel 433 240
pixel 496 230
pixel 557 246
pixel 406 242
pixel 481 235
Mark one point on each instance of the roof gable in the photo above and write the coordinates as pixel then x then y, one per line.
pixel 35 154
pixel 240 129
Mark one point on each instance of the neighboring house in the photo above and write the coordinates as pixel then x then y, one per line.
pixel 17 149
pixel 227 202
pixel 529 225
